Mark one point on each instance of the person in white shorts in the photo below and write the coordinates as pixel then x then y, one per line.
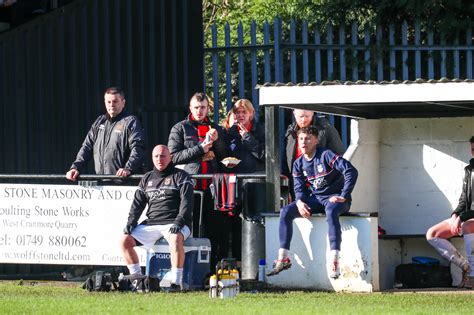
pixel 168 192
pixel 461 222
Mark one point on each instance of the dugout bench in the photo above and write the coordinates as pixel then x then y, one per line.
pixel 396 249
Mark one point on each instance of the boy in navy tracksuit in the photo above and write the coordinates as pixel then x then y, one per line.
pixel 323 182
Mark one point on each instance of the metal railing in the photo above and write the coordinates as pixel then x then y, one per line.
pixel 114 177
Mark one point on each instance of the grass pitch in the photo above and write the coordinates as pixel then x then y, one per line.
pixel 16 298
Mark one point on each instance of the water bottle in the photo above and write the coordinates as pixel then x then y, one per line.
pixel 213 286
pixel 235 274
pixel 261 270
pixel 226 284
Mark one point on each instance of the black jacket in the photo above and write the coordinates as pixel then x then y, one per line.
pixel 169 196
pixel 250 149
pixel 186 150
pixel 113 143
pixel 463 210
pixel 328 137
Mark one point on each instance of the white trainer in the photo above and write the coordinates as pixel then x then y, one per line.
pixel 459 260
pixel 334 271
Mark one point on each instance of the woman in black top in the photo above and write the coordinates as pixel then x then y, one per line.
pixel 246 139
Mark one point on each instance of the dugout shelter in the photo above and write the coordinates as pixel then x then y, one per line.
pixel 410 143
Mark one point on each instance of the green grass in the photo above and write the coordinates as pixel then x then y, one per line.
pixel 43 299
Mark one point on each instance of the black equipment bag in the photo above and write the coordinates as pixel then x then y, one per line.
pixel 152 284
pixel 144 285
pixel 422 276
pixel 100 281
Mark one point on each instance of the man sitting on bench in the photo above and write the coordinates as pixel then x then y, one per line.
pixel 461 222
pixel 323 182
pixel 168 192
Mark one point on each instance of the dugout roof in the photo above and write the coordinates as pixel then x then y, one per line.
pixel 370 99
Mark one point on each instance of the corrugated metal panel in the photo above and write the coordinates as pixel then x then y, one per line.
pixel 54 71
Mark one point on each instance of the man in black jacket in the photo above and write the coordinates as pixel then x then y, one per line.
pixel 115 141
pixel 198 145
pixel 195 142
pixel 168 192
pixel 461 222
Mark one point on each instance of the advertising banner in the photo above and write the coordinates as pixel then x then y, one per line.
pixel 64 224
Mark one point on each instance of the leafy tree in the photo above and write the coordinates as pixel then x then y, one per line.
pixel 233 12
pixel 450 15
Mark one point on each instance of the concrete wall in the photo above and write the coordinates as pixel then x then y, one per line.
pixel 410 170
pixel 421 170
pixel 363 153
pixel 310 255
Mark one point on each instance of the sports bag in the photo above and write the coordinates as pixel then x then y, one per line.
pixel 422 276
pixel 144 285
pixel 100 281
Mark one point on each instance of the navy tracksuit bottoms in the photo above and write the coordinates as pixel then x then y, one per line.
pixel 333 211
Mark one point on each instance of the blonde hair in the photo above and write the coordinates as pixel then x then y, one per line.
pixel 245 104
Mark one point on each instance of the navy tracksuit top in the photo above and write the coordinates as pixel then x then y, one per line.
pixel 326 174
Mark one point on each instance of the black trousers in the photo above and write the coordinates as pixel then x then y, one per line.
pixel 224 231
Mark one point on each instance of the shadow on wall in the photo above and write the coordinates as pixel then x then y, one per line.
pixel 421 171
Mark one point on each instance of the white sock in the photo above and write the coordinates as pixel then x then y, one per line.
pixel 283 253
pixel 177 275
pixel 468 245
pixel 448 251
pixel 134 268
pixel 335 254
